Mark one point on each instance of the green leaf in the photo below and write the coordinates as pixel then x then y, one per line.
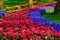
pixel 42 37
pixel 0 34
pixel 9 38
pixel 58 38
pixel 17 38
pixel 55 38
pixel 49 37
pixel 1 38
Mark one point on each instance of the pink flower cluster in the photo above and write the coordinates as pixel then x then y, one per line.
pixel 30 31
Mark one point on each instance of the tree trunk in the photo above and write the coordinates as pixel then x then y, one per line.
pixel 2 4
pixel 30 3
pixel 57 8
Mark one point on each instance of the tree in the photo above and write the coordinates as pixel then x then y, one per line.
pixel 30 3
pixel 57 8
pixel 2 4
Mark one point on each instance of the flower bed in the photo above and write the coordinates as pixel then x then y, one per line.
pixel 28 32
pixel 19 26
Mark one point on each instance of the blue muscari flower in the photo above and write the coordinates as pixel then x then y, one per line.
pixel 2 13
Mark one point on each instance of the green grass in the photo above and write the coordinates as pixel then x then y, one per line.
pixel 50 16
pixel 44 2
pixel 15 2
pixel 18 2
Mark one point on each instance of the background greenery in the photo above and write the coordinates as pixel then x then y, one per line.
pixel 50 16
pixel 15 2
pixel 18 2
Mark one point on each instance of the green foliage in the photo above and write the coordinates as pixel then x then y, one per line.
pixel 18 38
pixel 43 2
pixel 46 1
pixel 9 38
pixel 49 16
pixel 1 36
pixel 18 2
pixel 15 2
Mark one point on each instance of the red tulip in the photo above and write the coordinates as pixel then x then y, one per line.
pixel 23 35
pixel 4 33
pixel 47 32
pixel 27 21
pixel 12 35
pixel 34 31
pixel 31 37
pixel 16 28
pixel 57 34
pixel 51 38
pixel 25 39
pixel 10 29
pixel 29 32
pixel 1 20
pixel 38 38
pixel 40 31
pixel 4 38
pixel 1 29
pixel 24 27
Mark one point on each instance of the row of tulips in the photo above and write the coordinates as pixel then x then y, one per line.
pixel 28 32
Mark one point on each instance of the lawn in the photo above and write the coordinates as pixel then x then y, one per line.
pixel 14 2
pixel 50 16
pixel 18 2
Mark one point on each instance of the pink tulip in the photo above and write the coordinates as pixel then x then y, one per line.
pixel 16 28
pixel 10 29
pixel 38 38
pixel 52 39
pixel 1 30
pixel 12 35
pixel 23 35
pixel 29 32
pixel 4 33
pixel 25 39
